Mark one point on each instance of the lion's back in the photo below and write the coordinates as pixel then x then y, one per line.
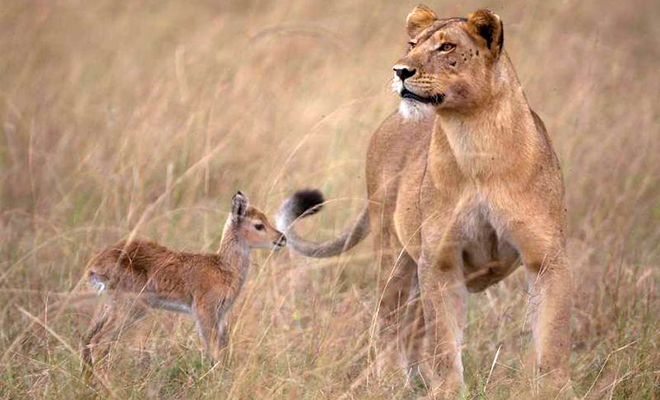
pixel 396 141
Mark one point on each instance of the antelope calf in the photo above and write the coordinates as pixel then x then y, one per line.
pixel 139 275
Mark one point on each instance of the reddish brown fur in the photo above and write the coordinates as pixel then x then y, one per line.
pixel 203 285
pixel 142 266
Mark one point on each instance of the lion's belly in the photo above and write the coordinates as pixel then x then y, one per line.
pixel 487 256
pixel 463 216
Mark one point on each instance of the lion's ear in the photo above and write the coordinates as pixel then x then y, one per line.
pixel 488 26
pixel 419 19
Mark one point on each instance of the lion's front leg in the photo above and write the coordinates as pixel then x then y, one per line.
pixel 549 313
pixel 443 296
pixel 542 249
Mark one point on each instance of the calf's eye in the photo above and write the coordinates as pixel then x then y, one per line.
pixel 259 227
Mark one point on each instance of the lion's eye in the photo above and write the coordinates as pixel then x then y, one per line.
pixel 446 47
pixel 411 45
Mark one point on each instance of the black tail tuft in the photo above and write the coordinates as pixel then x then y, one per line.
pixel 306 202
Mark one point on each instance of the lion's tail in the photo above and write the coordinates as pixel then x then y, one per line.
pixel 305 203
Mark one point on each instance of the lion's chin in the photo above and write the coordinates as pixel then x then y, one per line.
pixel 413 110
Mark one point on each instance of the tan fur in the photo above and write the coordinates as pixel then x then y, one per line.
pixel 140 275
pixel 418 19
pixel 460 198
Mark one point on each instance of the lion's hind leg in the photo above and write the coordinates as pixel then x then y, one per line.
pixel 400 319
pixel 411 335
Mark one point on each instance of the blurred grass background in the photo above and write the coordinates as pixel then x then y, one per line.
pixel 148 115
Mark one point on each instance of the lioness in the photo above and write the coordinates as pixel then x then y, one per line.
pixel 459 197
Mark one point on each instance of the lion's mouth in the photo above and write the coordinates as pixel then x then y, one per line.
pixel 435 99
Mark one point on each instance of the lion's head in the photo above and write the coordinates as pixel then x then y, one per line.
pixel 450 63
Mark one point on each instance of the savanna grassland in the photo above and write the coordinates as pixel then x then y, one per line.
pixel 143 118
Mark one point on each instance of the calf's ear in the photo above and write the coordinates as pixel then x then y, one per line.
pixel 239 205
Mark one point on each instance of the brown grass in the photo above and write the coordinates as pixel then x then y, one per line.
pixel 146 116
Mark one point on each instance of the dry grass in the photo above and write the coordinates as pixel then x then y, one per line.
pixel 148 115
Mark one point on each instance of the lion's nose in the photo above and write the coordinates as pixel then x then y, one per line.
pixel 404 73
